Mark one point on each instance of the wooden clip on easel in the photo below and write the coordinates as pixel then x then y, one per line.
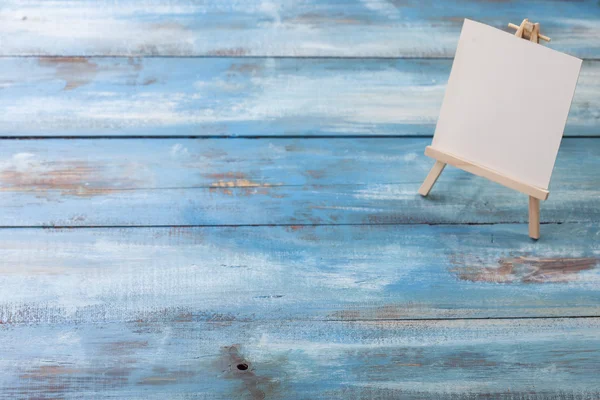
pixel 526 30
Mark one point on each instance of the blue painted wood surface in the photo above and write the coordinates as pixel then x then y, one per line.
pixel 239 97
pixel 365 291
pixel 347 28
pixel 269 181
pixel 105 276
pixel 173 356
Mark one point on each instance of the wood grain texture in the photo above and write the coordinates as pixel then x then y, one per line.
pixel 181 359
pixel 366 28
pixel 268 181
pixel 74 96
pixel 105 276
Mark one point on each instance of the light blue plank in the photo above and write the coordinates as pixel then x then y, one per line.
pixel 175 359
pixel 297 273
pixel 238 97
pixel 268 181
pixel 368 28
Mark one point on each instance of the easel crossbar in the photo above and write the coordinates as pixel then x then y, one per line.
pixel 479 170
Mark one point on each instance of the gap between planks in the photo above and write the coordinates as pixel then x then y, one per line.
pixel 344 321
pixel 243 57
pixel 235 56
pixel 50 227
pixel 553 317
pixel 248 137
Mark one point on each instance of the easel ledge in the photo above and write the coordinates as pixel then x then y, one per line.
pixel 447 158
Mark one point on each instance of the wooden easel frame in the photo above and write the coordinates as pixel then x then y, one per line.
pixel 526 30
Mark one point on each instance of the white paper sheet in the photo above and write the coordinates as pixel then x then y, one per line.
pixel 506 103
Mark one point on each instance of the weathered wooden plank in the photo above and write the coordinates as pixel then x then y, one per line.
pixel 369 28
pixel 238 97
pixel 300 273
pixel 179 359
pixel 268 181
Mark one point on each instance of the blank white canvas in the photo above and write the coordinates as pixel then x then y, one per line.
pixel 506 103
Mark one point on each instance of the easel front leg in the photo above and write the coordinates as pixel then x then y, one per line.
pixel 534 218
pixel 433 176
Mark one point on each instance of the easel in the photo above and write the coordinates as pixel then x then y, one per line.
pixel 526 30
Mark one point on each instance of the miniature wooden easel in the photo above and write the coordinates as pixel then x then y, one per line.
pixel 526 30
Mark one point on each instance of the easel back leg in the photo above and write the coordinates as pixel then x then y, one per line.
pixel 534 218
pixel 432 177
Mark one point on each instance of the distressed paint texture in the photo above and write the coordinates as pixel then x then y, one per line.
pixel 297 273
pixel 507 359
pixel 362 293
pixel 76 96
pixel 528 270
pixel 365 28
pixel 269 181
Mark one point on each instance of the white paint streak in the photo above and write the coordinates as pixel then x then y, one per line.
pixel 350 103
pixel 133 28
pixel 383 7
pixel 178 150
pixel 388 192
pixel 20 162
